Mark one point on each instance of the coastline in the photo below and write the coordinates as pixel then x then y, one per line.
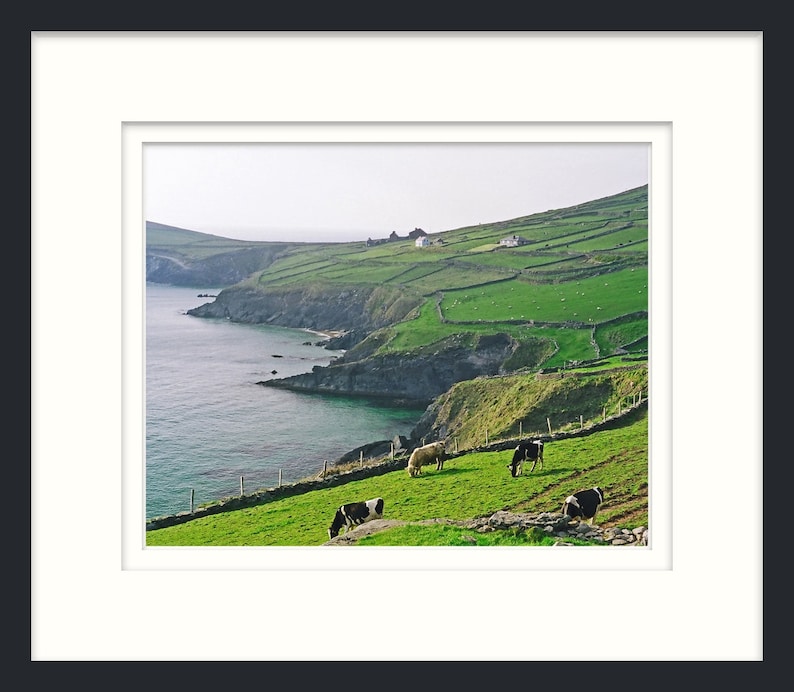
pixel 328 334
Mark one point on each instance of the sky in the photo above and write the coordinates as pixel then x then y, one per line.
pixel 339 192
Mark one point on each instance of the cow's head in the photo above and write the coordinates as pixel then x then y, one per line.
pixel 571 507
pixel 336 524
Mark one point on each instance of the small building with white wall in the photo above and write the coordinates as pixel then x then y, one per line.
pixel 513 241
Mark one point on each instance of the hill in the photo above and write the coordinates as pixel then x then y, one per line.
pixel 533 326
pixel 181 257
pixel 543 291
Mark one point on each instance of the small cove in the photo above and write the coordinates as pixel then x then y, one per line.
pixel 208 423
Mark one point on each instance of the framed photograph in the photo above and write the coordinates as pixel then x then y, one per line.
pixel 565 153
pixel 100 369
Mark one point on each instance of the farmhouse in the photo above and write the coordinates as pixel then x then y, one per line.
pixel 393 236
pixel 422 241
pixel 513 241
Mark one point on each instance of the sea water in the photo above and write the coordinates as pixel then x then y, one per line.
pixel 209 424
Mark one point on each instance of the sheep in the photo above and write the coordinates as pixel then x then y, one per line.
pixel 425 455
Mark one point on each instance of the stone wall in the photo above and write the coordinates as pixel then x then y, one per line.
pixel 334 478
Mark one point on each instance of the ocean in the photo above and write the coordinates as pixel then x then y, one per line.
pixel 208 422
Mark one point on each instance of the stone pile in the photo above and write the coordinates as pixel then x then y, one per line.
pixel 560 525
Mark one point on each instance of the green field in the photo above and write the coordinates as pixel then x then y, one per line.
pixel 578 279
pixel 581 274
pixel 574 296
pixel 471 485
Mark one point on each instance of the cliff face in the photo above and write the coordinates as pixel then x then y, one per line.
pixel 330 308
pixel 223 269
pixel 528 404
pixel 407 377
pixel 364 313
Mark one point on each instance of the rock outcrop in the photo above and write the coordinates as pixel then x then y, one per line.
pixel 357 309
pixel 409 377
pixel 554 524
pixel 224 269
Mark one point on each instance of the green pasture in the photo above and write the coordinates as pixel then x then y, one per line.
pixel 471 485
pixel 454 277
pixel 590 300
pixel 613 336
pixel 497 257
pixel 584 266
pixel 423 328
pixel 364 273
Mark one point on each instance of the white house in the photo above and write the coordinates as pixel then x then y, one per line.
pixel 422 241
pixel 513 241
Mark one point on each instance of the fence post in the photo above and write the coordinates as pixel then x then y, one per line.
pixel 486 437
pixel 456 445
pixel 361 458
pixel 392 450
pixel 521 428
pixel 325 467
pixel 191 500
pixel 279 478
pixel 242 489
pixel 548 422
pixel 581 422
pixel 604 414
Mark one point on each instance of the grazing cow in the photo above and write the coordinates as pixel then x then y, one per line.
pixel 525 451
pixel 426 455
pixel 583 504
pixel 355 513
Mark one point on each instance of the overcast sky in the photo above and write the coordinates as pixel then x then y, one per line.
pixel 342 192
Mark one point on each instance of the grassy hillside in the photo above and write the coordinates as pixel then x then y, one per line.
pixel 190 246
pixel 578 279
pixel 573 292
pixel 470 485
pixel 474 412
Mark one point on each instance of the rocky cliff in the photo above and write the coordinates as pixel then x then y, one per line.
pixel 415 377
pixel 358 309
pixel 224 269
pixel 364 314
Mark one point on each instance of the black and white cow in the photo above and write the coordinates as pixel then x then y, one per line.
pixel 584 504
pixel 525 451
pixel 355 513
